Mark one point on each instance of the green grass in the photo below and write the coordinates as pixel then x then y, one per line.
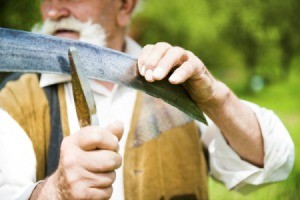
pixel 284 99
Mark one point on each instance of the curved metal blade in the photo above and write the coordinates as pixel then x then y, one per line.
pixel 28 52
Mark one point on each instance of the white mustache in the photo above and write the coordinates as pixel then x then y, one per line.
pixel 89 32
pixel 70 23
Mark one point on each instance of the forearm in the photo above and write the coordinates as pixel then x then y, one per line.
pixel 237 123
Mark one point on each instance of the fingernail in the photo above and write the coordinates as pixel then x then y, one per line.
pixel 143 70
pixel 149 76
pixel 174 78
pixel 158 73
pixel 116 139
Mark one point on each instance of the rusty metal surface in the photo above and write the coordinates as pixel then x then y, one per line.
pixel 82 92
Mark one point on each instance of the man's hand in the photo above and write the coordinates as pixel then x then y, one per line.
pixel 156 62
pixel 88 160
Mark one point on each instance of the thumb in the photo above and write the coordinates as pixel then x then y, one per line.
pixel 116 128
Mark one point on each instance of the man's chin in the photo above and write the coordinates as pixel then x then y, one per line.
pixel 68 35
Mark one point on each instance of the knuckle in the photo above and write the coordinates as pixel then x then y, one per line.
pixel 118 160
pixel 140 61
pixel 150 64
pixel 112 162
pixel 163 45
pixel 113 176
pixel 109 164
pixel 182 73
pixel 178 49
pixel 175 52
pixel 69 160
pixel 197 68
pixel 148 46
pixel 189 53
pixel 116 147
pixel 72 179
pixel 65 144
pixel 97 136
pixel 190 68
pixel 91 196
pixel 107 192
pixel 108 181
pixel 87 129
pixel 77 193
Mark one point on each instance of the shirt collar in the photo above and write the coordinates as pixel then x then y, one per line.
pixel 132 48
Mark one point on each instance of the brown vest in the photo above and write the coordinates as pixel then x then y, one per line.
pixel 163 156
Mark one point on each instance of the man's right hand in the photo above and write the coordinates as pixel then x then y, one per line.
pixel 88 160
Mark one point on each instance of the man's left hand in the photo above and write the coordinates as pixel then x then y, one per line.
pixel 157 61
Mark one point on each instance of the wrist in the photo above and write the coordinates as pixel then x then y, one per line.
pixel 47 189
pixel 220 95
pixel 37 190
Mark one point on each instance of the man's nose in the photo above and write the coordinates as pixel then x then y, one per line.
pixel 57 10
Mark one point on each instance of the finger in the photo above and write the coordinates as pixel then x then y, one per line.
pixel 186 71
pixel 94 137
pixel 80 192
pixel 182 73
pixel 173 57
pixel 101 194
pixel 157 52
pixel 149 76
pixel 143 56
pixel 116 128
pixel 100 180
pixel 100 161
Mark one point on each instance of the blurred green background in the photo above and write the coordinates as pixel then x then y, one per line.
pixel 252 46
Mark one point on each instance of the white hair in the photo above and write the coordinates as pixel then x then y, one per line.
pixel 88 32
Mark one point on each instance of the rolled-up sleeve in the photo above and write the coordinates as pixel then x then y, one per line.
pixel 227 166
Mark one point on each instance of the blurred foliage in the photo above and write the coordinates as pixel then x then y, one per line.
pixel 236 39
pixel 19 14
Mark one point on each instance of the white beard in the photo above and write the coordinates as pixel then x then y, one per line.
pixel 88 32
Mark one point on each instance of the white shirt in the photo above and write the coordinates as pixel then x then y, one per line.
pixel 17 158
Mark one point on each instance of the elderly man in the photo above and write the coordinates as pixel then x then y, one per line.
pixel 161 147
